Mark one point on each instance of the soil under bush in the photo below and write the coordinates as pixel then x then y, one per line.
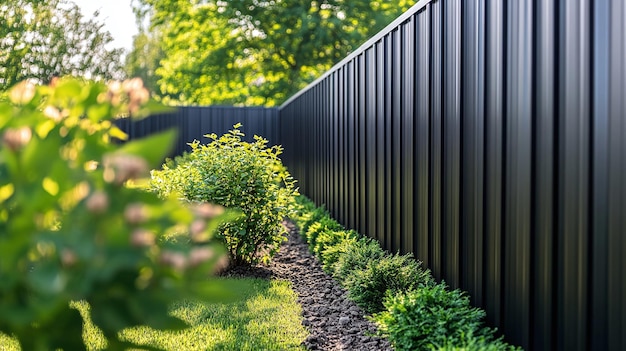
pixel 334 322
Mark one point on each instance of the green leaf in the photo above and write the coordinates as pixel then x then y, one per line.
pixel 68 89
pixel 40 155
pixel 5 113
pixel 151 108
pixel 153 148
pixel 118 133
pixel 62 332
pixel 219 290
pixel 97 113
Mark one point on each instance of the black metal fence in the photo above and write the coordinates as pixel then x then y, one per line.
pixel 192 123
pixel 486 136
pixel 489 138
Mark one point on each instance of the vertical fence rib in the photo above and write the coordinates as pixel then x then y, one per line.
pixel 422 133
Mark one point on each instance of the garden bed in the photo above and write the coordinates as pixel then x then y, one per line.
pixel 334 321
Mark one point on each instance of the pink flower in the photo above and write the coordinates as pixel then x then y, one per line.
pixel 142 238
pixel 119 168
pixel 22 93
pixel 208 211
pixel 98 202
pixel 135 213
pixel 173 259
pixel 16 138
pixel 53 113
pixel 200 255
pixel 68 257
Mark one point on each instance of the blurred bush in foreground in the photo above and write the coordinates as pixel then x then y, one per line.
pixel 71 230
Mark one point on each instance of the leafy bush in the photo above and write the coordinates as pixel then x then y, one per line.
pixel 71 230
pixel 311 218
pixel 248 177
pixel 434 317
pixel 333 245
pixel 330 255
pixel 389 275
pixel 324 235
pixel 364 251
pixel 325 227
pixel 302 210
pixel 478 343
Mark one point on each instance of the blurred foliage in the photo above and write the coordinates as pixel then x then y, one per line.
pixel 143 61
pixel 253 52
pixel 248 177
pixel 70 230
pixel 42 39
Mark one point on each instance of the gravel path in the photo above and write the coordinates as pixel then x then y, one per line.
pixel 333 321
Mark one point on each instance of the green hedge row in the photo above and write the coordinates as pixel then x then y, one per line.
pixel 412 310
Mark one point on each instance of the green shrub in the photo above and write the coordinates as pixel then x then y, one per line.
pixel 309 219
pixel 325 226
pixel 478 343
pixel 248 177
pixel 364 251
pixel 389 275
pixel 331 253
pixel 302 210
pixel 304 213
pixel 432 317
pixel 416 313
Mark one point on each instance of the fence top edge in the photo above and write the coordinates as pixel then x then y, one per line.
pixel 367 44
pixel 225 107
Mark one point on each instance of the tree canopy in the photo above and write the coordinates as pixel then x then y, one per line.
pixel 40 39
pixel 144 59
pixel 255 52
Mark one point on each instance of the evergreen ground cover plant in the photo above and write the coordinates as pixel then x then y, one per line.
pixel 318 235
pixel 386 276
pixel 409 307
pixel 434 317
pixel 334 246
pixel 357 257
pixel 247 177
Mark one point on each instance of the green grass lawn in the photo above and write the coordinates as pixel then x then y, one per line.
pixel 267 318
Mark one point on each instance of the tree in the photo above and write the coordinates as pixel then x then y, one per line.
pixel 256 52
pixel 41 39
pixel 144 59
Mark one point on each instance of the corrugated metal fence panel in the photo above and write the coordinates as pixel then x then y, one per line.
pixel 489 138
pixel 194 122
pixel 544 270
pixel 610 170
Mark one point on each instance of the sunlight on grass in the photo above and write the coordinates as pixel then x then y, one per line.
pixel 92 336
pixel 267 318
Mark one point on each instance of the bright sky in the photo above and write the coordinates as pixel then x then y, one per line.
pixel 117 16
